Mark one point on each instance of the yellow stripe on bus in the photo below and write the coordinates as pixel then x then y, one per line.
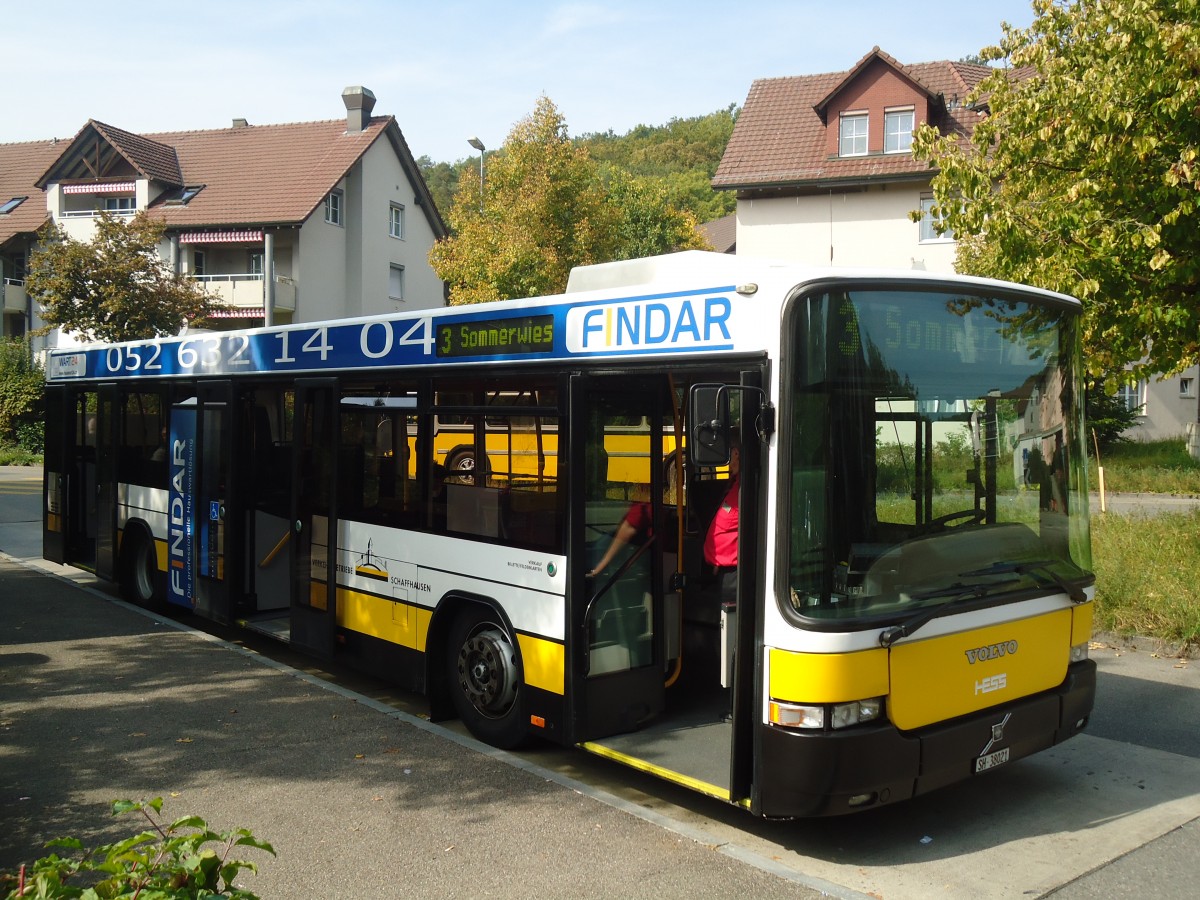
pixel 544 662
pixel 407 625
pixel 642 765
pixel 828 677
pixel 1081 623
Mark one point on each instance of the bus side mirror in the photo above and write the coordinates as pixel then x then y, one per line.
pixel 708 424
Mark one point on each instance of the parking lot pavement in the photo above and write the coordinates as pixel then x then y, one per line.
pixel 100 702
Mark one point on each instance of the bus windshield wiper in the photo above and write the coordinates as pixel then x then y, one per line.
pixel 958 592
pixel 1033 567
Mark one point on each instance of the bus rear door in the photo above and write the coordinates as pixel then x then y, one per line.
pixel 314 516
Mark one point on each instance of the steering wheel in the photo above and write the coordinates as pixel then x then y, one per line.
pixel 969 516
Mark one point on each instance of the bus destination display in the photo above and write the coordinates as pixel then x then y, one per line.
pixel 525 334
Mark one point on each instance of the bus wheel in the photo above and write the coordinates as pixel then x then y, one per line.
pixel 485 678
pixel 461 465
pixel 140 569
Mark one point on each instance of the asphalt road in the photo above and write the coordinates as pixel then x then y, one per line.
pixel 365 799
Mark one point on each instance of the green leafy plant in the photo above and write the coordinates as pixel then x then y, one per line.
pixel 183 859
pixel 22 386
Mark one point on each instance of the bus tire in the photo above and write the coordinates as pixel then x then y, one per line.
pixel 139 569
pixel 484 672
pixel 461 465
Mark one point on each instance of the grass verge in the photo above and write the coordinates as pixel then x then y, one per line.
pixel 1152 467
pixel 1147 572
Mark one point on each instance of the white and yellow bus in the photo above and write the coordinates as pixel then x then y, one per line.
pixel 913 588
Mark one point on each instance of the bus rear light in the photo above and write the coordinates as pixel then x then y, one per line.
pixel 1079 652
pixel 792 715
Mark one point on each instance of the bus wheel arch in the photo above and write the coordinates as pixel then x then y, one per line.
pixel 140 580
pixel 483 672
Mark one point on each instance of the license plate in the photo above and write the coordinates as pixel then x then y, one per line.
pixel 999 758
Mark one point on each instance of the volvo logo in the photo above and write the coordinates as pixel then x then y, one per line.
pixel 991 651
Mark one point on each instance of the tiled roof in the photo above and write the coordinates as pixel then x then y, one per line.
pixel 20 166
pixel 779 138
pixel 721 233
pixel 258 175
pixel 152 159
pixel 263 174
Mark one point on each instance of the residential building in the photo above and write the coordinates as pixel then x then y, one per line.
pixel 824 174
pixel 283 223
pixel 823 169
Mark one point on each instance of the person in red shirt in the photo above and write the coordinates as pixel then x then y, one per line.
pixel 721 541
pixel 634 529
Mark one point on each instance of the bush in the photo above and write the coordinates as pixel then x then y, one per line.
pixel 1107 416
pixel 22 388
pixel 163 861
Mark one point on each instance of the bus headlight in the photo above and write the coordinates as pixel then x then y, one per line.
pixel 815 716
pixel 1079 652
pixel 847 714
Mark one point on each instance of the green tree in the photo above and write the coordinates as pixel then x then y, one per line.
pixel 114 287
pixel 649 222
pixel 1083 176
pixel 547 207
pixel 22 386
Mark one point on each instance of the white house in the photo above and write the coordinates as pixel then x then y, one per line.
pixel 285 223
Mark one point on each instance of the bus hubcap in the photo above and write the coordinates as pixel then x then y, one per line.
pixel 487 671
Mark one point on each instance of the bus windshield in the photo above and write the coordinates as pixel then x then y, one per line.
pixel 936 454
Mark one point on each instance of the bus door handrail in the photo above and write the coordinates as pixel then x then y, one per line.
pixel 616 576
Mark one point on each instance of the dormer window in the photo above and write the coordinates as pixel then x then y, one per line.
pixel 852 134
pixel 181 196
pixel 897 130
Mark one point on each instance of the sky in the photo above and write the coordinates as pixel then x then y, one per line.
pixel 448 70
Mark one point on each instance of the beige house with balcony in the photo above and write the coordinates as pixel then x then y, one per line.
pixel 284 223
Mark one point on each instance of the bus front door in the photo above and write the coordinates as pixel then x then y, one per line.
pixel 314 517
pixel 616 612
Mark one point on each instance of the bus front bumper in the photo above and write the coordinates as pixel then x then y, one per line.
pixel 837 772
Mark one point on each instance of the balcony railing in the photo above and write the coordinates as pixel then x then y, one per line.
pixel 95 213
pixel 14 295
pixel 246 290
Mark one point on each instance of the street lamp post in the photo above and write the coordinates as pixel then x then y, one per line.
pixel 478 145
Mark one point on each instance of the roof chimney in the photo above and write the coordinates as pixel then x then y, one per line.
pixel 241 123
pixel 359 103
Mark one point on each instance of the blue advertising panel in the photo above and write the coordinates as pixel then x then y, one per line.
pixel 662 323
pixel 181 513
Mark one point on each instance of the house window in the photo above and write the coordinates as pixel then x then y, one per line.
pixel 396 221
pixel 120 205
pixel 11 204
pixel 396 282
pixel 930 225
pixel 198 264
pixel 1187 387
pixel 897 130
pixel 333 208
pixel 1133 396
pixel 256 265
pixel 853 135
